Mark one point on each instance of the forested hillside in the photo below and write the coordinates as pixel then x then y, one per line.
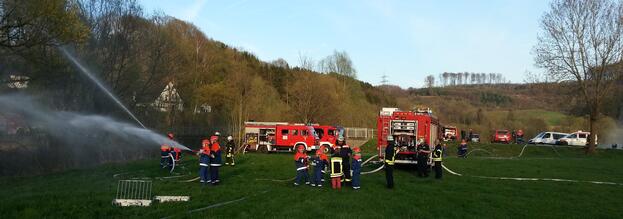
pixel 137 55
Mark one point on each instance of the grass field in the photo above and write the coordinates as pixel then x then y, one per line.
pixel 88 193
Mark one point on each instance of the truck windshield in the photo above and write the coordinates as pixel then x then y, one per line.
pixel 313 132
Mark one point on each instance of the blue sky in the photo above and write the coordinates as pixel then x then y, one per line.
pixel 406 40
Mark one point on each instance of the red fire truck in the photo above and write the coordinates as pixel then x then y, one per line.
pixel 283 136
pixel 450 133
pixel 409 128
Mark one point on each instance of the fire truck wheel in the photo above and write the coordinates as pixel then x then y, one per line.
pixel 326 148
pixel 263 149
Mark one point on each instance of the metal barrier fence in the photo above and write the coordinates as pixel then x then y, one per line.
pixel 359 133
pixel 133 193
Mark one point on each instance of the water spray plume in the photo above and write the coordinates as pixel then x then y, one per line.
pixel 76 129
pixel 88 73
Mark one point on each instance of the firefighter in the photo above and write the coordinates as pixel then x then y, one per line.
pixel 356 168
pixel 345 154
pixel 215 160
pixel 301 162
pixel 204 161
pixel 423 152
pixel 229 150
pixel 390 155
pixel 165 151
pixel 437 157
pixel 462 150
pixel 336 172
pixel 319 163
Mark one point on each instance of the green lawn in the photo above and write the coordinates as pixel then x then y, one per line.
pixel 88 193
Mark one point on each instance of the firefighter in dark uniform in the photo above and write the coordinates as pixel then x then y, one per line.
pixel 390 156
pixel 229 151
pixel 423 152
pixel 215 160
pixel 345 154
pixel 437 157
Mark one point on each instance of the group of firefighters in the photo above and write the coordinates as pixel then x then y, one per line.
pixel 339 162
pixel 423 153
pixel 209 157
pixel 339 165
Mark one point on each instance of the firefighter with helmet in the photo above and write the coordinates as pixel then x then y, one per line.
pixel 204 161
pixel 345 154
pixel 423 153
pixel 319 162
pixel 356 168
pixel 301 163
pixel 215 160
pixel 390 156
pixel 165 152
pixel 229 151
pixel 437 157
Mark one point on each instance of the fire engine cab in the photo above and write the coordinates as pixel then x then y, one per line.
pixel 409 128
pixel 283 136
pixel 450 133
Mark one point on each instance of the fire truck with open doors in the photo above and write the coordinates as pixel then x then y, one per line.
pixel 283 136
pixel 409 128
pixel 450 133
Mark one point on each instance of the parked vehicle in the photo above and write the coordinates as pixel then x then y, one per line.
pixel 578 138
pixel 450 133
pixel 501 136
pixel 283 136
pixel 408 128
pixel 475 137
pixel 547 138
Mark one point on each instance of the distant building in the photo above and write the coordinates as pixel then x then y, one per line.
pixel 204 108
pixel 18 82
pixel 169 100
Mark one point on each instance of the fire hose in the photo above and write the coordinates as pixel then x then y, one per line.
pixel 531 179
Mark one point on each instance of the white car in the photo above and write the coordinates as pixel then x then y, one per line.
pixel 578 138
pixel 547 138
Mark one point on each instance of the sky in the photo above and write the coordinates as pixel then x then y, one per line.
pixel 404 40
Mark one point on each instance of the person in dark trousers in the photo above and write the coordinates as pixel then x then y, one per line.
pixel 345 154
pixel 319 162
pixel 229 151
pixel 462 150
pixel 215 161
pixel 356 168
pixel 423 152
pixel 204 162
pixel 437 157
pixel 390 156
pixel 301 161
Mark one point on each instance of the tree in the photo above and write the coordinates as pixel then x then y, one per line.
pixel 281 63
pixel 25 24
pixel 582 41
pixel 429 81
pixel 306 62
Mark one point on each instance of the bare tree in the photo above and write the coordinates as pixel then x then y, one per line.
pixel 583 41
pixel 429 81
pixel 306 62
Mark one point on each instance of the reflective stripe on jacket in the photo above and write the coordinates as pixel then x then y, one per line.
pixel 437 155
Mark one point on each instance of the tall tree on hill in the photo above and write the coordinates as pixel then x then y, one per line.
pixel 429 81
pixel 583 41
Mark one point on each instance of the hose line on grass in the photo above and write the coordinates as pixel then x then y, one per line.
pixel 532 179
pixel 369 159
pixel 373 171
pixel 277 180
